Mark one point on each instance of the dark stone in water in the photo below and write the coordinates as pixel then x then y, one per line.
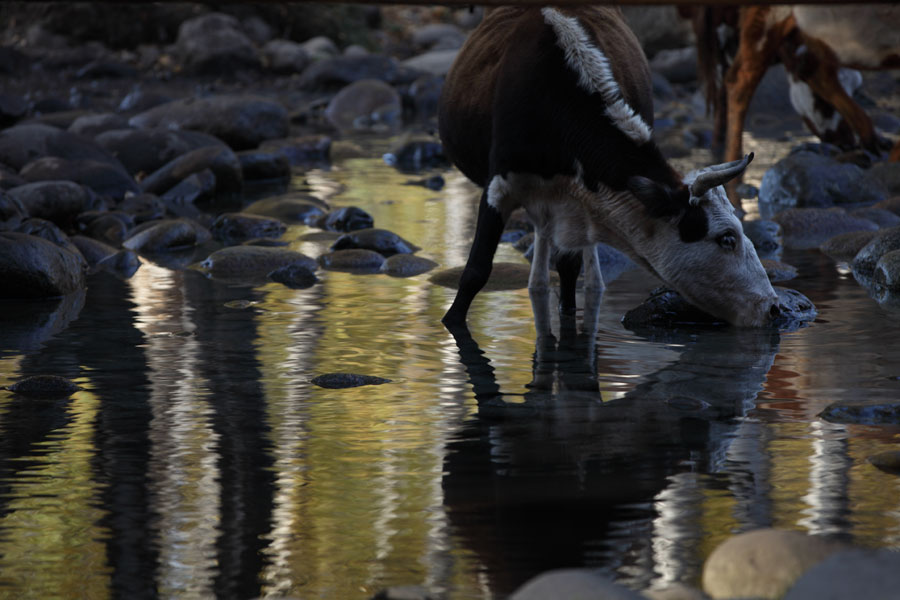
pixel 435 182
pixel 146 150
pixel 867 258
pixel 143 207
pixel 347 218
pixel 417 155
pixel 232 227
pixel 382 241
pixel 44 386
pixel 407 265
pixel 21 144
pixel 257 164
pixel 195 188
pixel 765 235
pixel 93 125
pixel 223 163
pixel 300 150
pixel 504 276
pixel 33 267
pixel 845 246
pixel 251 262
pixel 290 208
pixel 296 276
pixel 335 381
pixel 354 260
pixel 888 461
pixel 778 271
pixel 166 236
pixel 805 228
pixel 334 73
pixel 864 413
pixel 57 201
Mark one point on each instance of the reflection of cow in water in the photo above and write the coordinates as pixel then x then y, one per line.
pixel 814 43
pixel 564 479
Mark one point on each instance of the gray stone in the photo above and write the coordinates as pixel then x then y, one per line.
pixel 804 228
pixel 44 386
pixel 57 201
pixel 92 250
pixel 762 564
pixel 300 150
pixel 335 73
pixel 386 243
pixel 364 103
pixel 416 155
pixel 573 584
pixel 445 34
pixel 213 44
pixel 865 260
pixel 346 380
pixel 862 412
pixel 887 461
pixel 853 573
pixel 105 179
pixel 143 207
pixel 880 216
pixel 197 187
pixel 887 271
pixel 9 178
pixel 677 66
pixel 21 144
pixel 146 150
pixel 243 122
pixel 353 260
pixel 295 276
pixel 675 591
pixel 33 267
pixel 221 160
pixel 845 246
pixel 433 62
pixel 659 27
pixel 891 204
pixel 11 212
pixel 285 56
pixel 765 235
pixel 290 208
pixel 407 265
pixel 778 271
pixel 235 227
pixel 887 174
pixel 166 236
pixel 251 262
pixel 108 228
pixel 320 47
pixel 48 231
pixel 346 218
pixel 257 165
pixel 93 125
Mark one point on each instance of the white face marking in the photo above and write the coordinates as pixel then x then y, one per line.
pixel 594 73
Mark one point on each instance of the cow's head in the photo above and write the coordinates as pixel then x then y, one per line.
pixel 696 244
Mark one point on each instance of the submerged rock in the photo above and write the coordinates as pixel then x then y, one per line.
pixel 44 386
pixel 167 235
pixel 346 218
pixel 382 241
pixel 223 163
pixel 295 276
pixel 251 262
pixel 888 461
pixel 865 260
pixel 353 260
pixel 862 412
pixel 407 265
pixel 234 227
pixel 289 208
pixel 845 246
pixel 778 271
pixel 346 380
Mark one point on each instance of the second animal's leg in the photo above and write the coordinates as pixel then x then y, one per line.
pixel 568 265
pixel 539 279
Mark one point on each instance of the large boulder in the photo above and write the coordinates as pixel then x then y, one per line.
pixel 167 235
pixel 249 263
pixel 221 160
pixel 386 243
pixel 242 122
pixel 103 178
pixel 285 56
pixel 335 73
pixel 364 103
pixel 146 150
pixel 32 267
pixel 804 228
pixel 865 260
pixel 21 144
pixel 213 44
pixel 57 201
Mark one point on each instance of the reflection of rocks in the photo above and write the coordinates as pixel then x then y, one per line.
pixel 346 380
pixel 27 324
pixel 888 461
pixel 862 412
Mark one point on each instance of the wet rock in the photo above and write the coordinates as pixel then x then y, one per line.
pixel 346 218
pixel 321 47
pixel 888 461
pixel 234 227
pixel 809 179
pixel 765 235
pixel 887 174
pixel 433 62
pixel 865 260
pixel 213 44
pixel 197 187
pixel 423 95
pixel 804 228
pixel 853 573
pixel 407 265
pixel 778 271
pixel 417 155
pixel 221 160
pixel 143 207
pixel 881 217
pixel 404 592
pixel 658 27
pixel 108 228
pixel 44 386
pixel 166 236
pixel 891 204
pixel 676 65
pixel 887 271
pixel 105 179
pixel 668 309
pixel 504 276
pixel 11 212
pixel 140 100
pixel 241 121
pixel 12 109
pixel 300 150
pixel 33 267
pixel 339 71
pixel 845 246
pixel 584 584
pixel 382 241
pixel 862 412
pixel 762 564
pixel 258 165
pixel 285 56
pixel 289 208
pixel 363 105
pixel 9 178
pixel 45 229
pixel 295 276
pixel 146 150
pixel 352 260
pixel 438 35
pixel 21 144
pixel 334 381
pixel 106 69
pixel 57 201
pixel 92 250
pixel 93 125
pixel 251 262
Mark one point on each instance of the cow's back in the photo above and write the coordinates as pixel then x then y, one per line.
pixel 862 37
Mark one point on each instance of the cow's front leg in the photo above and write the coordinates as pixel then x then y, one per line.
pixel 593 276
pixel 539 279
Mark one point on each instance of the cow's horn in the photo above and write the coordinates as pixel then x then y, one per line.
pixel 718 175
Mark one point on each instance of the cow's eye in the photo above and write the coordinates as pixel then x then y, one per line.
pixel 727 240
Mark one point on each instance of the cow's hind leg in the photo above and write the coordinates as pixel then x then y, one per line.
pixel 478 266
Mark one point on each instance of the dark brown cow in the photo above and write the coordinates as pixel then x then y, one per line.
pixel 550 109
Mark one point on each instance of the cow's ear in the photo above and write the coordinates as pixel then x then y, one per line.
pixel 659 200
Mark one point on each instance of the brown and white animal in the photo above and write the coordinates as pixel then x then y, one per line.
pixel 550 109
pixel 815 43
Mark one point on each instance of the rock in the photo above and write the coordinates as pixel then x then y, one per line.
pixel 295 276
pixel 197 187
pixel 257 165
pixel 862 412
pixel 140 100
pixel 92 250
pixel 123 263
pixel 404 592
pixel 762 564
pixel 504 276
pixel 659 27
pixel 166 236
pixel 12 109
pixel 300 150
pixel 364 104
pixel 886 174
pixel 765 235
pixel 93 125
pixel 809 179
pixel 853 573
pixel 143 207
pixel 881 217
pixel 416 155
pixel 573 584
pixel 26 325
pixel 11 212
pixel 251 262
pixel 33 267
pixel 21 144
pixel 285 56
pixel 334 381
pixel 407 265
pixel 891 204
pixel 434 62
pixel 9 178
pixel 57 201
pixel 44 386
pixel 382 241
pixel 845 246
pixel 676 65
pixel 223 163
pixel 320 47
pixel 352 260
pixel 804 228
pixel 233 227
pixel 213 44
pixel 435 182
pixel 241 121
pixel 342 150
pixel 675 591
pixel 146 150
pixel 444 35
pixel 105 179
pixel 778 271
pixel 865 260
pixel 108 228
pixel 289 208
pixel 888 461
pixel 48 231
pixel 423 96
pixel 887 271
pixel 347 218
pixel 339 71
